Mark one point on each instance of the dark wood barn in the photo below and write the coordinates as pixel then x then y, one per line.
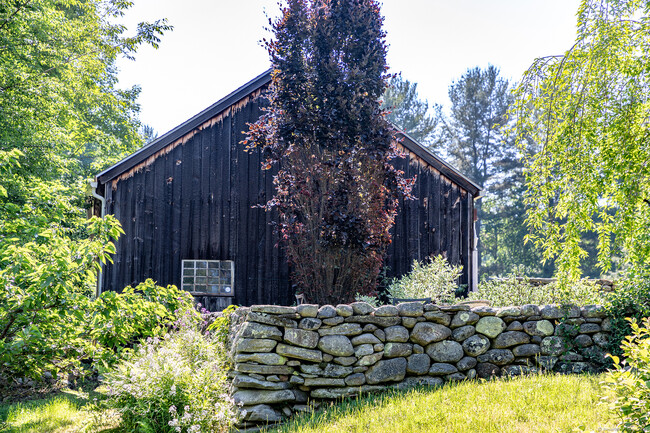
pixel 186 204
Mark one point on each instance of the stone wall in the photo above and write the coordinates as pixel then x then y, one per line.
pixel 290 359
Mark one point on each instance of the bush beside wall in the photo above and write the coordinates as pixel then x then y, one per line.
pixel 290 359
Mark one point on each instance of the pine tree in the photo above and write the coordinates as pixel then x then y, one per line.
pixel 408 112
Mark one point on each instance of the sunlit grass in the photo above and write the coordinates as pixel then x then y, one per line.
pixel 540 403
pixel 71 411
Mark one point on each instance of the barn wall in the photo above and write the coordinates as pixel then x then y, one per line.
pixel 195 200
pixel 436 220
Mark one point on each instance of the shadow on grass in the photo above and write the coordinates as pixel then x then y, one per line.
pixel 66 410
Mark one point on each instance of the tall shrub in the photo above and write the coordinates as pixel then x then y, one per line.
pixel 336 191
pixel 629 381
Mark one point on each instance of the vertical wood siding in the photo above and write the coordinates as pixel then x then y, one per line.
pixel 197 201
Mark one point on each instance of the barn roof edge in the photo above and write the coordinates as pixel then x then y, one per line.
pixel 256 83
pixel 177 132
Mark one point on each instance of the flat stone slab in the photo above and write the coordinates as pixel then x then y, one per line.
pixel 324 381
pixel 269 319
pixel 254 345
pixel 260 413
pixel 497 357
pixel 389 370
pixel 490 326
pixel 299 353
pixel 243 381
pixel 410 309
pixel 263 369
pixel 273 309
pixel 336 345
pixel 476 345
pixel 541 328
pixel 463 318
pixel 418 364
pixel 346 329
pixel 379 321
pixel 247 398
pixel 510 338
pixel 261 358
pixel 301 337
pixel 445 351
pixel 397 334
pixel 259 331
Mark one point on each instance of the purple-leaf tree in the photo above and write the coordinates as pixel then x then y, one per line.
pixel 336 190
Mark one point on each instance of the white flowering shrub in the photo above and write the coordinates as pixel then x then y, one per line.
pixel 433 278
pixel 176 383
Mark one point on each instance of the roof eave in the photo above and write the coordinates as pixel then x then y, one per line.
pixel 438 163
pixel 174 134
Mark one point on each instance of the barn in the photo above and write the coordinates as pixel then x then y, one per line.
pixel 186 202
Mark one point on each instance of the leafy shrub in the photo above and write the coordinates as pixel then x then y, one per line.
pixel 434 278
pixel 629 382
pixel 514 291
pixel 220 327
pixel 174 383
pixel 42 297
pixel 631 299
pixel 372 300
pixel 48 265
pixel 120 320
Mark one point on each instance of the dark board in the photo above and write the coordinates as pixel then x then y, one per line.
pixel 196 199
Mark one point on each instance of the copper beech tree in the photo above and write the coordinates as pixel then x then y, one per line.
pixel 336 190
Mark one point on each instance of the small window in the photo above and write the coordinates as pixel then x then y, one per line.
pixel 214 277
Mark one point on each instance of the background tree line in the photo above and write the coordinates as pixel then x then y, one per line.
pixel 474 136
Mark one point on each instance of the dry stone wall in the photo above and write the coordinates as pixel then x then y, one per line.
pixel 290 359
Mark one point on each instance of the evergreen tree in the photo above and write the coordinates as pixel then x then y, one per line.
pixel 405 110
pixel 473 136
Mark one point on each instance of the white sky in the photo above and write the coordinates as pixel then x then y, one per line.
pixel 214 47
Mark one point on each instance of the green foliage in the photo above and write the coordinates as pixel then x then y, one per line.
pixel 372 300
pixel 116 321
pixel 63 118
pixel 434 278
pixel 474 136
pixel 508 291
pixel 588 109
pixel 43 297
pixel 631 299
pixel 629 382
pixel 336 191
pixel 220 328
pixel 58 83
pixel 405 110
pixel 47 274
pixel 174 383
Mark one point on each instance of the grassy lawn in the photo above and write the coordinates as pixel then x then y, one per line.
pixel 68 411
pixel 529 404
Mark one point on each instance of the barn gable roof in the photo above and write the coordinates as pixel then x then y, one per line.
pixel 138 157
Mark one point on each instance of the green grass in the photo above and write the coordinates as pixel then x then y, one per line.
pixel 69 411
pixel 541 403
